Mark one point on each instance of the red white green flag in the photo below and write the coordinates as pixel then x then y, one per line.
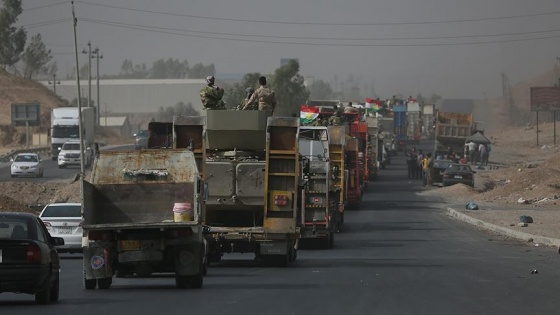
pixel 308 114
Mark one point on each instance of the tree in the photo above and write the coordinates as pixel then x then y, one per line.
pixel 169 69
pixel 36 57
pixel 287 83
pixel 12 39
pixel 200 71
pixel 180 109
pixel 320 90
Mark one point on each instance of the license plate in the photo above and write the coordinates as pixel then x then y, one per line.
pixel 458 176
pixel 65 230
pixel 130 245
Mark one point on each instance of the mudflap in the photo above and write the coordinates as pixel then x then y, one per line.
pixel 97 263
pixel 188 259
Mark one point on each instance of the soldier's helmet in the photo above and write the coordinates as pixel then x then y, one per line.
pixel 210 79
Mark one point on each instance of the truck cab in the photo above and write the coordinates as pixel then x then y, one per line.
pixel 69 154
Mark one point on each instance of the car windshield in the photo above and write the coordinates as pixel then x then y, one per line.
pixel 26 158
pixel 459 168
pixel 63 211
pixel 13 228
pixel 142 134
pixel 71 147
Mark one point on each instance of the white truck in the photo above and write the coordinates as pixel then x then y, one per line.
pixel 64 127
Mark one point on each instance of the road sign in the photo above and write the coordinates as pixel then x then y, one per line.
pixel 27 114
pixel 545 99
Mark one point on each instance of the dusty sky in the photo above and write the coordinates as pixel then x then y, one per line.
pixel 399 46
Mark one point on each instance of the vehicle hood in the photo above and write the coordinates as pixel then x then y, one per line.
pixel 29 164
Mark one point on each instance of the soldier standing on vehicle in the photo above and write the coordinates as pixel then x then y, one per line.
pixel 264 96
pixel 211 95
pixel 335 119
pixel 249 92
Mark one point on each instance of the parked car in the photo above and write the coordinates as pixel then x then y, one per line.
pixel 29 262
pixel 69 154
pixel 27 164
pixel 458 174
pixel 64 220
pixel 141 139
pixel 438 169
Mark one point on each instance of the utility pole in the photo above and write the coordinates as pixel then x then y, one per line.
pixel 89 71
pixel 80 127
pixel 54 82
pixel 97 55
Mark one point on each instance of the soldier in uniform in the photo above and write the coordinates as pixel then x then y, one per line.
pixel 335 119
pixel 264 96
pixel 211 95
pixel 249 92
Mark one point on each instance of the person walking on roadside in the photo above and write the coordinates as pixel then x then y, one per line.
pixel 483 154
pixel 419 159
pixel 472 152
pixel 426 166
pixel 410 163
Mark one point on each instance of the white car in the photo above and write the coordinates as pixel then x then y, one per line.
pixel 64 220
pixel 69 154
pixel 27 164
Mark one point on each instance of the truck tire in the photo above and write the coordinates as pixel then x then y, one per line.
pixel 196 281
pixel 104 283
pixel 89 284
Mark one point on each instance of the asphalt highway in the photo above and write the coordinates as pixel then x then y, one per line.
pixel 398 254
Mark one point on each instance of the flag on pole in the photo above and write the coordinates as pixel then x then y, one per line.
pixel 308 114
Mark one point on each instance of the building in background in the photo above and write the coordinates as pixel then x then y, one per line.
pixel 119 124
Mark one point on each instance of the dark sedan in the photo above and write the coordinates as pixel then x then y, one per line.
pixel 458 174
pixel 438 169
pixel 29 262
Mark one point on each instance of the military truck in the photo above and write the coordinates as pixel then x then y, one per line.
pixel 319 198
pixel 251 164
pixel 452 129
pixel 143 213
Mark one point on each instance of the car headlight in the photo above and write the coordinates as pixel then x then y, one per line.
pixel 15 166
pixel 33 167
pixel 61 155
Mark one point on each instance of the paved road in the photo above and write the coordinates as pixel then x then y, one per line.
pixel 398 255
pixel 52 172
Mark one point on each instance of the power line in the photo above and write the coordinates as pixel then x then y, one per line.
pixel 46 6
pixel 45 23
pixel 148 29
pixel 323 23
pixel 322 38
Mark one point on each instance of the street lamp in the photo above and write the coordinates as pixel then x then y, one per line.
pixel 54 83
pixel 89 71
pixel 97 55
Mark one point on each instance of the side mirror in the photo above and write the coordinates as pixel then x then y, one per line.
pixel 134 135
pixel 59 148
pixel 58 241
pixel 11 159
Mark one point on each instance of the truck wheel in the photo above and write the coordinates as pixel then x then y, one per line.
pixel 90 284
pixel 331 240
pixel 104 283
pixel 196 281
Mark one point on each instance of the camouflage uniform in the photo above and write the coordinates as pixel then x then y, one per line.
pixel 245 107
pixel 211 97
pixel 335 120
pixel 265 97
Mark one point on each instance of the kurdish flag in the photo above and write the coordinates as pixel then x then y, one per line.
pixel 308 114
pixel 372 106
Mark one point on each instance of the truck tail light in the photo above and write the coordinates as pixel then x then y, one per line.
pixel 179 233
pixel 98 236
pixel 33 254
pixel 281 200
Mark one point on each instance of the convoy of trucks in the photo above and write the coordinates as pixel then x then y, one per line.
pixel 64 127
pixel 251 183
